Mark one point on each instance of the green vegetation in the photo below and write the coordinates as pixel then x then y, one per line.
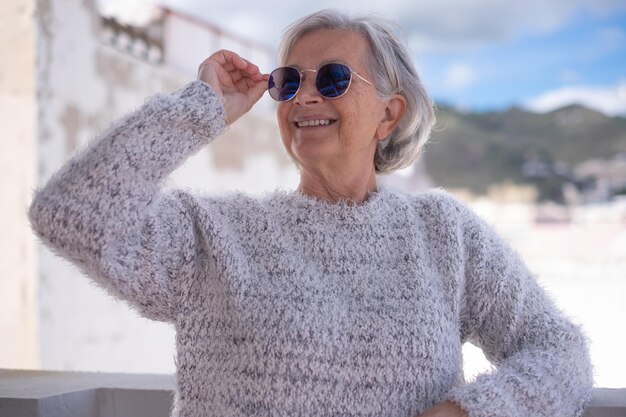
pixel 475 150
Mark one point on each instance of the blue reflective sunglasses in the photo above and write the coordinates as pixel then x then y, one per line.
pixel 332 81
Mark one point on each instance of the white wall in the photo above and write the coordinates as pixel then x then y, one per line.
pixel 18 317
pixel 83 86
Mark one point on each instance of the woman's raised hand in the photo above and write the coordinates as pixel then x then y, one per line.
pixel 237 81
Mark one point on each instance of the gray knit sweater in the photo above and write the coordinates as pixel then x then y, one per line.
pixel 285 305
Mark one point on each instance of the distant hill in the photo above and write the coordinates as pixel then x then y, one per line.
pixel 474 150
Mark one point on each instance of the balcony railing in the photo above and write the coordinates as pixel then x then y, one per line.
pixel 89 394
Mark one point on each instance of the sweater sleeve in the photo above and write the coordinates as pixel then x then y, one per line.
pixel 542 365
pixel 103 210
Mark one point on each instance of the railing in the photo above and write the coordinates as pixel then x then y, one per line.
pixel 145 42
pixel 88 394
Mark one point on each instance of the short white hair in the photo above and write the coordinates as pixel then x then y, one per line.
pixel 394 73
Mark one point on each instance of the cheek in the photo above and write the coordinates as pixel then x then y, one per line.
pixel 357 119
pixel 365 115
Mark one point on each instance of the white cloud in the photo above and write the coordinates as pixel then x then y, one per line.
pixel 610 100
pixel 458 77
pixel 431 25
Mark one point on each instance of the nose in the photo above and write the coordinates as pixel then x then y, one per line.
pixel 308 94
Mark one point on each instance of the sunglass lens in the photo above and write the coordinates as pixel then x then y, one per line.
pixel 284 83
pixel 333 80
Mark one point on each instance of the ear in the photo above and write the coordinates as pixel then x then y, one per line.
pixel 394 112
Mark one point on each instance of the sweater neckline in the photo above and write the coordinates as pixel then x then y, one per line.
pixel 302 206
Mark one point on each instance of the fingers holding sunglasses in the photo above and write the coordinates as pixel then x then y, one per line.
pixel 228 65
pixel 237 81
pixel 246 68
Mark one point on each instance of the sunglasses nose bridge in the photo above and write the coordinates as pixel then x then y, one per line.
pixel 308 92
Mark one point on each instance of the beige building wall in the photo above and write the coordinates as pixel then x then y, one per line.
pixel 18 308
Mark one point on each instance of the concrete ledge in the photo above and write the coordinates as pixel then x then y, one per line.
pixel 26 393
pixel 91 394
pixel 607 402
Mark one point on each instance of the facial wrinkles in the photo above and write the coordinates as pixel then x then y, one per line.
pixel 354 115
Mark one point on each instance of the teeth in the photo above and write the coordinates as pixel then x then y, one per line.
pixel 306 123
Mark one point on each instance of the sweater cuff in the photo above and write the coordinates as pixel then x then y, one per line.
pixel 484 397
pixel 197 105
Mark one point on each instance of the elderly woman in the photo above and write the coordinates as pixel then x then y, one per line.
pixel 342 298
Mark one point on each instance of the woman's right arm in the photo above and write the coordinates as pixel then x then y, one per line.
pixel 103 209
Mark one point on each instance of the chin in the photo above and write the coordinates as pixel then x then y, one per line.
pixel 309 150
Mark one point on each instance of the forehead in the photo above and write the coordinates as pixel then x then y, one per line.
pixel 329 45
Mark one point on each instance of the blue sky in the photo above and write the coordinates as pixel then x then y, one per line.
pixel 586 51
pixel 474 54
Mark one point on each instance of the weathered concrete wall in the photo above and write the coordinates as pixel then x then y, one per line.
pixel 84 85
pixel 18 312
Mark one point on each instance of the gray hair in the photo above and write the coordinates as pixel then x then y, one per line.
pixel 393 72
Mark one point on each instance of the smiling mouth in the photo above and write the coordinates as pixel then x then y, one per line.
pixel 314 123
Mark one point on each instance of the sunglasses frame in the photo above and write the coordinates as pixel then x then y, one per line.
pixel 352 72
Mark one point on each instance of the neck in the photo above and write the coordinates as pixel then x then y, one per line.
pixel 336 186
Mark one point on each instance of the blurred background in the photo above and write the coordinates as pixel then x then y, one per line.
pixel 531 106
